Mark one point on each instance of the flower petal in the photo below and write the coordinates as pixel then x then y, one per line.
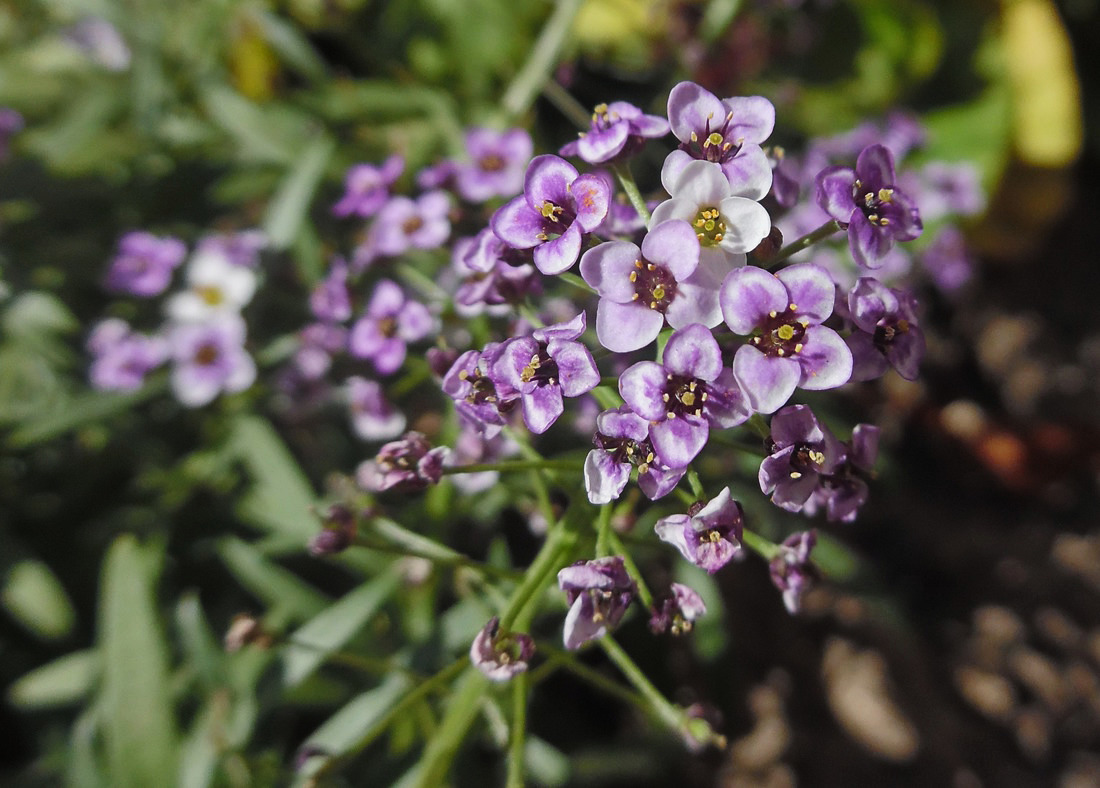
pixel 767 382
pixel 554 257
pixel 642 386
pixel 625 327
pixel 811 290
pixel 748 296
pixel 693 352
pixel 607 268
pixel 679 441
pixel 825 360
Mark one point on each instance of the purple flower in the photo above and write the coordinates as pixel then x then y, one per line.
pixel 641 288
pixel 868 203
pixel 440 175
pixel 887 335
pixel 210 358
pixel 709 536
pixel 339 530
pixel 727 132
pixel 947 259
pixel 122 358
pixel 404 224
pixel 944 189
pixel 617 128
pixel 493 275
pixel 408 465
pixel 685 395
pixel 471 446
pixel 557 208
pixel 501 656
pixel 144 264
pixel 390 322
pixel 844 492
pixel 330 300
pixel 727 227
pixel 599 592
pixel 366 187
pixel 545 367
pixel 801 451
pixel 372 417
pixel 622 443
pixel 677 613
pixel 478 400
pixel 241 248
pixel 497 163
pixel 791 570
pixel 790 348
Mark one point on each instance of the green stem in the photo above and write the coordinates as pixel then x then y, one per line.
pixel 535 74
pixel 561 539
pixel 565 660
pixel 630 188
pixel 520 687
pixel 457 560
pixel 512 466
pixel 757 543
pixel 672 716
pixel 758 424
pixel 461 711
pixel 577 282
pixel 805 242
pixel 566 104
pixel 696 485
pixel 413 544
pixel 409 701
pixel 619 548
pixel 603 530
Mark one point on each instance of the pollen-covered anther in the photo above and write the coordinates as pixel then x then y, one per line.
pixel 651 267
pixel 885 195
pixel 773 313
pixel 633 276
pixel 714 138
pixel 550 211
pixel 796 475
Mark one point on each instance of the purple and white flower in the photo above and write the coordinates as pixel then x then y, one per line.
pixel 209 358
pixel 618 129
pixel 144 264
pixel 791 570
pixel 844 492
pixel 727 132
pixel 545 367
pixel 685 395
pixel 390 322
pixel 868 203
pixel 622 443
pixel 642 288
pixel 480 400
pixel 501 656
pixel 408 464
pixel 802 451
pixel 403 224
pixel 790 348
pixel 497 161
pixel 887 333
pixel 330 301
pixel 366 187
pixel 599 592
pixel 558 207
pixel 708 535
pixel 677 613
pixel 372 416
pixel 240 248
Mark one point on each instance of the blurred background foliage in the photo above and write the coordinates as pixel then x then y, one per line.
pixel 132 530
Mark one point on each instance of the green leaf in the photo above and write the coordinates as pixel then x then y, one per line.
pixel 335 626
pixel 66 680
pixel 199 755
pixel 258 135
pixel 280 589
pixel 34 596
pixel 202 648
pixel 139 725
pixel 293 47
pixel 544 763
pixel 290 206
pixel 281 497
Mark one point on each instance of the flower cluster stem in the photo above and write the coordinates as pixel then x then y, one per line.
pixel 520 688
pixel 511 466
pixel 535 74
pixel 805 242
pixel 630 188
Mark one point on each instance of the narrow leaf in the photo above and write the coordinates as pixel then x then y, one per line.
pixel 64 681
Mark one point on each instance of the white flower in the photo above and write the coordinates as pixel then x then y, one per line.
pixel 215 287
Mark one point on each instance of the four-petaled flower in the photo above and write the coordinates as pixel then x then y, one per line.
pixel 791 570
pixel 708 535
pixel 685 395
pixel 801 451
pixel 618 128
pixel 790 348
pixel 210 358
pixel 887 335
pixel 390 322
pixel 367 187
pixel 867 202
pixel 599 592
pixel 642 288
pixel 408 464
pixel 557 208
pixel 727 132
pixel 545 367
pixel 499 655
pixel 622 443
pixel 496 165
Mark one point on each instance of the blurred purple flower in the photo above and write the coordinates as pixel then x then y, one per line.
pixel 497 161
pixel 210 358
pixel 144 264
pixel 121 357
pixel 389 323
pixel 791 570
pixel 372 416
pixel 408 464
pixel 366 187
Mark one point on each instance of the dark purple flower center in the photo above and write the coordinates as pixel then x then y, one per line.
pixel 637 453
pixel 654 285
pixel 412 224
pixel 602 120
pixel 490 162
pixel 806 459
pixel 874 204
pixel 207 354
pixel 556 219
pixel 482 389
pixel 781 334
pixel 885 335
pixel 713 144
pixel 541 369
pixel 387 327
pixel 709 227
pixel 684 396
